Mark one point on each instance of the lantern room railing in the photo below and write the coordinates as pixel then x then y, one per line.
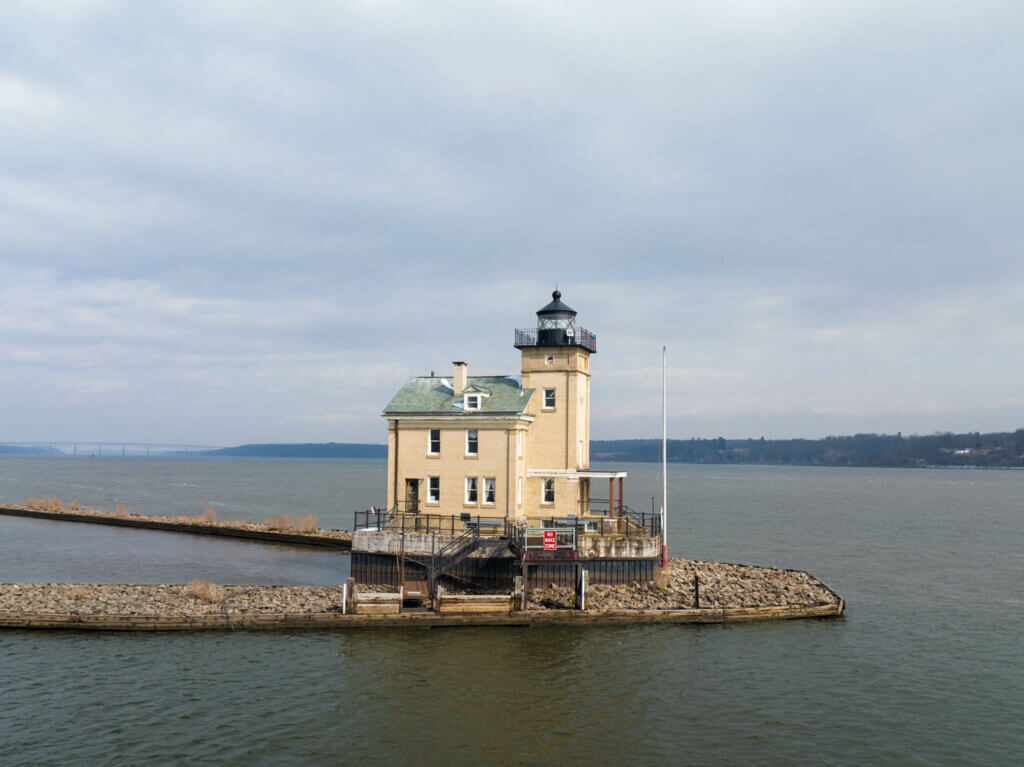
pixel 582 337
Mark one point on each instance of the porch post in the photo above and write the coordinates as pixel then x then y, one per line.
pixel 611 496
pixel 620 495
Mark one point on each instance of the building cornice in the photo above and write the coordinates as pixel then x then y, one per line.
pixel 575 474
pixel 458 416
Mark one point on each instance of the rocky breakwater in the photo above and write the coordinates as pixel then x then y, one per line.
pixel 276 526
pixel 179 600
pixel 720 585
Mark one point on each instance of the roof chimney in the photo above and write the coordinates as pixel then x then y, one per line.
pixel 459 379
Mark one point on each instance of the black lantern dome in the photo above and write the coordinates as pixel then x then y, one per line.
pixel 556 323
pixel 556 326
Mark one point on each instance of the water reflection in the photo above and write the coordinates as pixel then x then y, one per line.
pixel 37 550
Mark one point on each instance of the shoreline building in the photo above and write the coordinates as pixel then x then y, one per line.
pixel 504 459
pixel 502 446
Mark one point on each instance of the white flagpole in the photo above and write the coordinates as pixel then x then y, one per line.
pixel 664 464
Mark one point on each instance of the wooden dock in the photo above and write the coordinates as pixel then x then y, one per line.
pixel 198 528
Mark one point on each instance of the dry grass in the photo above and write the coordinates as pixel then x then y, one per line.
pixel 286 523
pixel 281 522
pixel 306 524
pixel 207 592
pixel 45 504
pixel 77 592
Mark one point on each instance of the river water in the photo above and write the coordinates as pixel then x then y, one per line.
pixel 927 667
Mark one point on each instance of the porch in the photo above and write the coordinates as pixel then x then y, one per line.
pixel 587 482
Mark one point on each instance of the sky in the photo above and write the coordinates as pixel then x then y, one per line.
pixel 228 222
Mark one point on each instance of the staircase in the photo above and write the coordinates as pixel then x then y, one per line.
pixel 451 555
pixel 456 552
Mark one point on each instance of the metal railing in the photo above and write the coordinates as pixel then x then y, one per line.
pixel 603 507
pixel 631 524
pixel 581 337
pixel 372 519
pixel 442 524
pixel 452 554
pixel 644 521
pixel 566 538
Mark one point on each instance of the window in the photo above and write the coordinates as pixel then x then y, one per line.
pixel 549 399
pixel 471 402
pixel 519 491
pixel 471 490
pixel 472 442
pixel 489 490
pixel 434 490
pixel 549 491
pixel 434 443
pixel 549 360
pixel 519 444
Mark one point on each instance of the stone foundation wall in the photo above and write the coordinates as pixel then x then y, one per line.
pixel 619 547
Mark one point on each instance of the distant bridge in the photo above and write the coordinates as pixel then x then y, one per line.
pixel 94 448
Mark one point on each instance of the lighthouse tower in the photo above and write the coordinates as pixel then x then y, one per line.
pixel 556 365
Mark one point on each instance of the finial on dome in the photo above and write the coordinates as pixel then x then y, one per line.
pixel 557 294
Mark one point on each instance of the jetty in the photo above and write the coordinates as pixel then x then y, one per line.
pixel 235 528
pixel 689 592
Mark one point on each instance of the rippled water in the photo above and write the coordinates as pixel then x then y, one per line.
pixel 927 667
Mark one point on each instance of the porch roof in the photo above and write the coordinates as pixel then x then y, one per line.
pixel 575 474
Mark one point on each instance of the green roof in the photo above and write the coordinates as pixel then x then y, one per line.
pixel 435 396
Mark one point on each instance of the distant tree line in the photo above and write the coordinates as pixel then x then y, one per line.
pixel 995 450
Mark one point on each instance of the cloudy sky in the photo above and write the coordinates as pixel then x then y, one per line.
pixel 227 222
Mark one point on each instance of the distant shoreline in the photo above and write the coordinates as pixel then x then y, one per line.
pixel 998 450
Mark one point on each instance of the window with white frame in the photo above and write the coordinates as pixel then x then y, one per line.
pixel 519 491
pixel 472 442
pixel 471 402
pixel 471 490
pixel 434 442
pixel 519 444
pixel 549 491
pixel 490 489
pixel 433 490
pixel 549 399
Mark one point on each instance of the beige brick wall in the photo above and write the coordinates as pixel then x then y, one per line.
pixel 557 438
pixel 497 458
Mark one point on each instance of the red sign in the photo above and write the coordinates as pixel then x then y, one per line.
pixel 550 540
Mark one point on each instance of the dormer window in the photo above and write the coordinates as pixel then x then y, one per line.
pixel 471 402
